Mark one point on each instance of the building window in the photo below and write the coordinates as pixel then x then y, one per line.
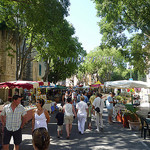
pixel 40 68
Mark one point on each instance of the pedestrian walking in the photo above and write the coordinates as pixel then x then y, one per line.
pixel 85 97
pixel 82 110
pixel 69 112
pixel 89 115
pixel 13 120
pixel 40 116
pixel 98 105
pixel 60 119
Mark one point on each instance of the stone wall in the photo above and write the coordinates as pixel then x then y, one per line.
pixel 7 63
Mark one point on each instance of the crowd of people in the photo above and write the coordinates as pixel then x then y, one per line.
pixel 75 104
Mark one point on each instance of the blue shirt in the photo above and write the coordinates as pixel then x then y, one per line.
pixel 85 99
pixel 108 104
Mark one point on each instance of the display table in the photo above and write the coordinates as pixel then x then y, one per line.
pixel 48 106
pixel 29 112
pixel 117 108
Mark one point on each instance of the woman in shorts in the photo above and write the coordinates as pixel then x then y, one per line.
pixel 69 112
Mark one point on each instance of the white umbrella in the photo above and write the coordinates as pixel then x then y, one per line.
pixel 123 84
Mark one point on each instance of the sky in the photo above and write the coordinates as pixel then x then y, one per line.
pixel 83 18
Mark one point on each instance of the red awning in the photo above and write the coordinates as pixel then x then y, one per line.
pixel 21 84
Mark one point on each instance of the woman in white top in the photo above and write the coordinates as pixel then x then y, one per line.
pixel 68 110
pixel 82 109
pixel 40 116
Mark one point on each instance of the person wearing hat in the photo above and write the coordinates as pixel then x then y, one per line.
pixel 13 120
pixel 60 120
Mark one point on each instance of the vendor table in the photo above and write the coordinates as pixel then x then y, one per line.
pixel 48 106
pixel 29 112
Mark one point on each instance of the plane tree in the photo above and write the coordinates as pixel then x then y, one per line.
pixel 125 25
pixel 29 21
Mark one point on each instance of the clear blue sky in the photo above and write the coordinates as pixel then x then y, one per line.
pixel 84 20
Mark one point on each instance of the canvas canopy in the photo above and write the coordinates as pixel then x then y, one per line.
pixel 123 84
pixel 97 84
pixel 21 84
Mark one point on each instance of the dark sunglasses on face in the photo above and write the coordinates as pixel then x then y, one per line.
pixel 38 102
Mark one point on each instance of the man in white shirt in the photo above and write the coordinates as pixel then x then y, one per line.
pixel 82 109
pixel 99 102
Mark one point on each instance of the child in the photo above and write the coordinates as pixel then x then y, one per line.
pixel 89 115
pixel 60 120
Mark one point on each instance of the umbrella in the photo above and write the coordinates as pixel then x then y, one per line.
pixel 97 84
pixel 124 84
pixel 21 84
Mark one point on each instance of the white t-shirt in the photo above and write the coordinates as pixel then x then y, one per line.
pixel 98 102
pixel 68 109
pixel 82 106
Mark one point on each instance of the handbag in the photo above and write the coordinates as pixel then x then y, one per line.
pixel 97 109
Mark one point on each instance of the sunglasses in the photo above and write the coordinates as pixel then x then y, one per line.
pixel 38 102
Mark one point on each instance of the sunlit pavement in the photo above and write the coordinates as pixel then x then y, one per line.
pixel 114 137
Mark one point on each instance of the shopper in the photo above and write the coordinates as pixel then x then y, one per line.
pixel 60 119
pixel 40 139
pixel 69 112
pixel 98 105
pixel 82 110
pixel 109 105
pixel 89 115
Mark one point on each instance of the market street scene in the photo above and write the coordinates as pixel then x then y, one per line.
pixel 74 75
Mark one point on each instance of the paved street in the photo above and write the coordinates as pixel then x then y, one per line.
pixel 114 137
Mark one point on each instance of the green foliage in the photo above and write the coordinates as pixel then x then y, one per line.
pixel 118 18
pixel 107 65
pixel 132 116
pixel 131 108
pixel 40 26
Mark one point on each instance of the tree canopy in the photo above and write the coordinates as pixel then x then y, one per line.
pixel 39 26
pixel 121 18
pixel 107 64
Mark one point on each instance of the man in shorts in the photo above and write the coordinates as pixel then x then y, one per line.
pixel 13 120
pixel 109 104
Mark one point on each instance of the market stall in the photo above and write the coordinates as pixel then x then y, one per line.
pixel 29 112
pixel 49 106
pixel 127 115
